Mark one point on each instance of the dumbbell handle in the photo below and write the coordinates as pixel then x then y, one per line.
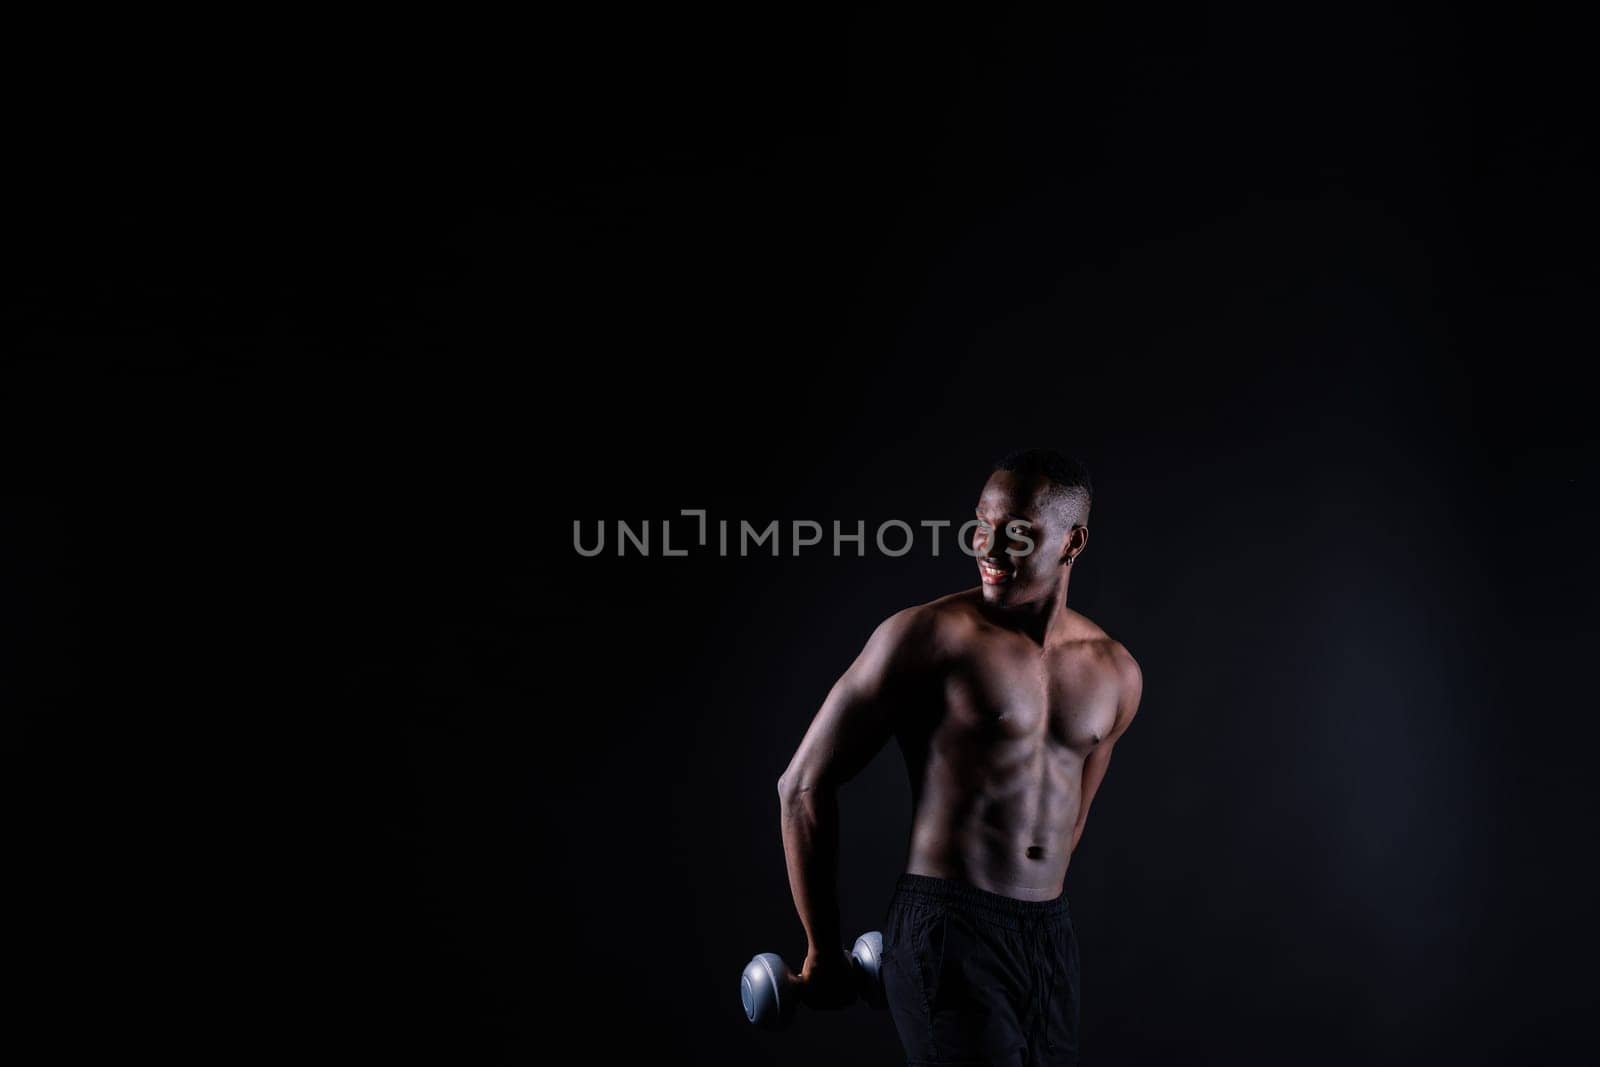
pixel 769 990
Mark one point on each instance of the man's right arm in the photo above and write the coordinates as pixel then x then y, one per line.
pixel 855 721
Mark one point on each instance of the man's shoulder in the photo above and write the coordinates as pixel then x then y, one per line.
pixel 1120 660
pixel 1106 652
pixel 1116 662
pixel 1107 648
pixel 928 627
pixel 916 620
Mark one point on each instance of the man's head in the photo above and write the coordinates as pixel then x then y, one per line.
pixel 1050 494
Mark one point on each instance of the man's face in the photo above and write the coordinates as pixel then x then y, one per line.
pixel 1008 575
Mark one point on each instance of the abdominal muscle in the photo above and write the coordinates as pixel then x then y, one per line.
pixel 1005 828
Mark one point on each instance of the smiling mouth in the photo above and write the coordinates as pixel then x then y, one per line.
pixel 993 574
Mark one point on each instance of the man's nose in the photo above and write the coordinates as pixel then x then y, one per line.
pixel 991 544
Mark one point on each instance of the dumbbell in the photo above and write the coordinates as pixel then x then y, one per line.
pixel 769 989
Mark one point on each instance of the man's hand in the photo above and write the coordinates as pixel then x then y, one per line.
pixel 827 980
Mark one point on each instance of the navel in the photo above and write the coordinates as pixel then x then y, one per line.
pixel 1036 852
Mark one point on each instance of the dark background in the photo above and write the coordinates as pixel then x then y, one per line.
pixel 324 334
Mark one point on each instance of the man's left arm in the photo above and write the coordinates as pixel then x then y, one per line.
pixel 1130 688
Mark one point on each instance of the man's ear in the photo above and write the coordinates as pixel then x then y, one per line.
pixel 1077 538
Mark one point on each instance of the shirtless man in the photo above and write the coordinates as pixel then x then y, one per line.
pixel 1005 704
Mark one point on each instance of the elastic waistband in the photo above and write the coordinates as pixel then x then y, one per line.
pixel 953 891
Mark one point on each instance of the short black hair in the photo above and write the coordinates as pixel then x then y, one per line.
pixel 1068 478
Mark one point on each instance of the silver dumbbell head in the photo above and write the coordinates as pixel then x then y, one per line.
pixel 767 991
pixel 867 958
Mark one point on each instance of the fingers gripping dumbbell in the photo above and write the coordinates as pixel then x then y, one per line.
pixel 770 991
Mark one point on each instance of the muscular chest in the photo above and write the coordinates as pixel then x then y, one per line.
pixel 1022 693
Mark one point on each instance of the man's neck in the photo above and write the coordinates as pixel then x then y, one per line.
pixel 1043 619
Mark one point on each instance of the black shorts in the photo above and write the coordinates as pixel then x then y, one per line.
pixel 974 977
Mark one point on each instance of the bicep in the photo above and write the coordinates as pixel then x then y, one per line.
pixel 1099 759
pixel 859 714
